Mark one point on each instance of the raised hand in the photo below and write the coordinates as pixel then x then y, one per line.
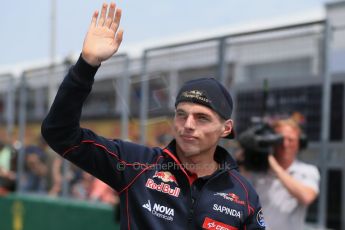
pixel 104 36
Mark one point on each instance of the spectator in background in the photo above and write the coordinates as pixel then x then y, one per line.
pixel 52 162
pixel 92 189
pixel 103 193
pixel 289 186
pixel 55 177
pixel 35 175
pixel 81 189
pixel 71 177
pixel 7 168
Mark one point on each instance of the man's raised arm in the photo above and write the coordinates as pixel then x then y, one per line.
pixel 61 126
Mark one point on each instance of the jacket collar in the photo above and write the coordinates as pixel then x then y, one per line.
pixel 222 156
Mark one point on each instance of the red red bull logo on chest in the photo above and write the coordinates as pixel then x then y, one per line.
pixel 165 186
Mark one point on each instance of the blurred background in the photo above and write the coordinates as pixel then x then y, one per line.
pixel 276 58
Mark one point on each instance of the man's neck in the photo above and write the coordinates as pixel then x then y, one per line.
pixel 202 164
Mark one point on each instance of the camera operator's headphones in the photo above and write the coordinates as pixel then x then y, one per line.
pixel 303 141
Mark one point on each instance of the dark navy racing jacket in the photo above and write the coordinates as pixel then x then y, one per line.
pixel 155 191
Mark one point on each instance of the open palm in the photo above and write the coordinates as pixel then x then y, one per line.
pixel 103 37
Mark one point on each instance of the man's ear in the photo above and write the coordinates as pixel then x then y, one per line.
pixel 227 128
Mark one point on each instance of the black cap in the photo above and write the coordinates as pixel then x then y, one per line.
pixel 210 93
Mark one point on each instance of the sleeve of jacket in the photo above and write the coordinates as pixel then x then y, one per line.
pixel 117 163
pixel 256 218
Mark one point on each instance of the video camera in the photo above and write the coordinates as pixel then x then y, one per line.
pixel 257 142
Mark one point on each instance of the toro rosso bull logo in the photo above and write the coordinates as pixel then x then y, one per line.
pixel 165 176
pixel 167 179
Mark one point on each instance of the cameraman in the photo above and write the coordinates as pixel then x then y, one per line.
pixel 289 185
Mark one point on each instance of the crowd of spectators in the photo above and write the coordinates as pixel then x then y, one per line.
pixel 46 173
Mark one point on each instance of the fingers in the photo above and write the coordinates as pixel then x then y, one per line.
pixel 119 37
pixel 103 14
pixel 94 18
pixel 116 22
pixel 110 16
pixel 110 20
